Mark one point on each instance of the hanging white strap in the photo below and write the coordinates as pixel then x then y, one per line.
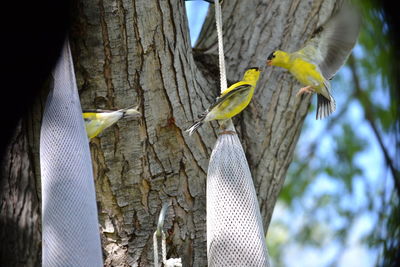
pixel 221 56
pixel 218 20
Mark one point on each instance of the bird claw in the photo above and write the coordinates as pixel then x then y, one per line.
pixel 307 89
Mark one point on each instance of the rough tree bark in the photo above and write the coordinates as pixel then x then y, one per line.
pixel 138 52
pixel 20 224
pixel 20 228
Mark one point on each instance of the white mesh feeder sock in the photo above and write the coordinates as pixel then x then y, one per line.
pixel 235 235
pixel 69 213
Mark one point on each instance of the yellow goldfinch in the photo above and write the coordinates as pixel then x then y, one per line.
pixel 321 57
pixel 231 101
pixel 98 120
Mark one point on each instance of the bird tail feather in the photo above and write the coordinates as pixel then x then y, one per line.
pixel 194 127
pixel 198 123
pixel 325 107
pixel 131 111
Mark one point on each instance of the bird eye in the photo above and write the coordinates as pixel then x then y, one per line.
pixel 271 56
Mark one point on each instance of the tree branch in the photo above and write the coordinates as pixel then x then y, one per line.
pixel 369 116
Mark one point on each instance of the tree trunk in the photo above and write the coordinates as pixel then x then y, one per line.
pixel 20 223
pixel 138 53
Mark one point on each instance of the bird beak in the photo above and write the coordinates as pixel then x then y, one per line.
pixel 269 62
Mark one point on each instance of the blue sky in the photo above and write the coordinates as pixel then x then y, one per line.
pixel 196 12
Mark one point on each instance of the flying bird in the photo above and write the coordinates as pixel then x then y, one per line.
pixel 322 56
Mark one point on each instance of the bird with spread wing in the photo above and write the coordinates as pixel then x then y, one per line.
pixel 322 56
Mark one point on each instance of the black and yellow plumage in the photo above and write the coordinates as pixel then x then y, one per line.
pixel 231 101
pixel 322 56
pixel 98 120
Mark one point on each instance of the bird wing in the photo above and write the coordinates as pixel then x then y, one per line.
pixel 89 115
pixel 94 111
pixel 93 126
pixel 232 87
pixel 233 91
pixel 331 43
pixel 130 111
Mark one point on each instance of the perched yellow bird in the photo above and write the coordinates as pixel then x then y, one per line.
pixel 322 56
pixel 97 120
pixel 231 101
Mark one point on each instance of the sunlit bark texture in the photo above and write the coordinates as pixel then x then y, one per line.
pixel 138 53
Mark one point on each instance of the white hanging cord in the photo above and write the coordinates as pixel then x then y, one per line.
pixel 155 249
pixel 173 262
pixel 228 125
pixel 218 20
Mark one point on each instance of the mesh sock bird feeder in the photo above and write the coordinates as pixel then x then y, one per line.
pixel 235 235
pixel 69 213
